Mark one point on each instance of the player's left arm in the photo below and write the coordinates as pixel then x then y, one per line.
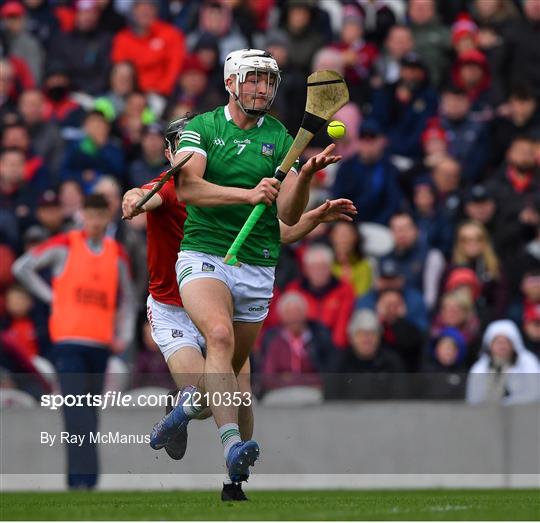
pixel 294 193
pixel 329 211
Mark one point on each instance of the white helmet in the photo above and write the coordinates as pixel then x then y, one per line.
pixel 245 61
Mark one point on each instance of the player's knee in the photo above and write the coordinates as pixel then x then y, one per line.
pixel 220 339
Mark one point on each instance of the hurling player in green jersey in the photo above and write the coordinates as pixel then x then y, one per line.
pixel 237 150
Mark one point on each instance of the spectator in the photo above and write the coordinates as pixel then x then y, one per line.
pixel 421 265
pixel 215 19
pixel 20 42
pixel 305 38
pixel 126 234
pixel 152 163
pixel 371 369
pixel 41 21
pixel 515 190
pixel 369 179
pixel 528 297
pixel 330 300
pixel 349 114
pixel 467 137
pixel 457 311
pixel 358 55
pixel 480 206
pixel 20 324
pixel 431 38
pixel 470 72
pixel 523 55
pixel 522 118
pixel 17 196
pixel 90 271
pixel 45 136
pixel 494 18
pixel 446 177
pixel 398 43
pixel 296 351
pixel 122 82
pixel 60 108
pixel 157 49
pixel 379 17
pixel 444 369
pixel 390 277
pixel 506 372
pixel 351 264
pixel 434 225
pixel 84 52
pixel 93 156
pixel 531 328
pixel 399 333
pixel 403 108
pixel 71 198
pixel 7 257
pixel 192 85
pixel 473 249
pixel 464 34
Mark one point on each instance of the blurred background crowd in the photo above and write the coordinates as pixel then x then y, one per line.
pixel 438 277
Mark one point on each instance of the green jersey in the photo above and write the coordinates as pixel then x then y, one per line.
pixel 234 158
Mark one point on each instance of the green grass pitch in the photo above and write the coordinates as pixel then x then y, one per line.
pixel 274 505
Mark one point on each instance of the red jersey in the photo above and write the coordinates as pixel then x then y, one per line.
pixel 165 230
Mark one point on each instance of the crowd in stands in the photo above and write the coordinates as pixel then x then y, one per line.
pixel 438 278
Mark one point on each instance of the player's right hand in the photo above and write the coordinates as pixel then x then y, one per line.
pixel 265 192
pixel 129 203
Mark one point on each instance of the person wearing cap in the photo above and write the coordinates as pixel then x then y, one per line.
pixel 479 205
pixel 367 369
pixel 92 316
pixel 94 155
pixel 85 51
pixel 444 369
pixel 49 214
pixel 156 48
pixel 368 178
pixel 431 37
pixel 468 137
pixel 506 373
pixel 404 108
pixel 20 42
pixel 390 277
pixel 528 294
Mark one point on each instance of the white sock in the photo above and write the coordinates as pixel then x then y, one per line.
pixel 227 480
pixel 230 435
pixel 192 406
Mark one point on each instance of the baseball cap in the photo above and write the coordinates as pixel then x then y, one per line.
pixel 49 199
pixel 478 193
pixel 412 59
pixel 388 268
pixel 370 128
pixel 532 312
pixel 12 8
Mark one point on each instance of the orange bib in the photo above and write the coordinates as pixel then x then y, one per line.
pixel 85 293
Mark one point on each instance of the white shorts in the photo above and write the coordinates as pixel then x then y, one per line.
pixel 251 286
pixel 172 328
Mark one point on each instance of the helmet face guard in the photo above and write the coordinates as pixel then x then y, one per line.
pixel 258 63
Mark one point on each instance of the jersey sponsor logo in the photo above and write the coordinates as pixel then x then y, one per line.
pixel 256 309
pixel 177 333
pixel 208 267
pixel 267 149
pixel 246 141
pixel 89 296
pixel 219 141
